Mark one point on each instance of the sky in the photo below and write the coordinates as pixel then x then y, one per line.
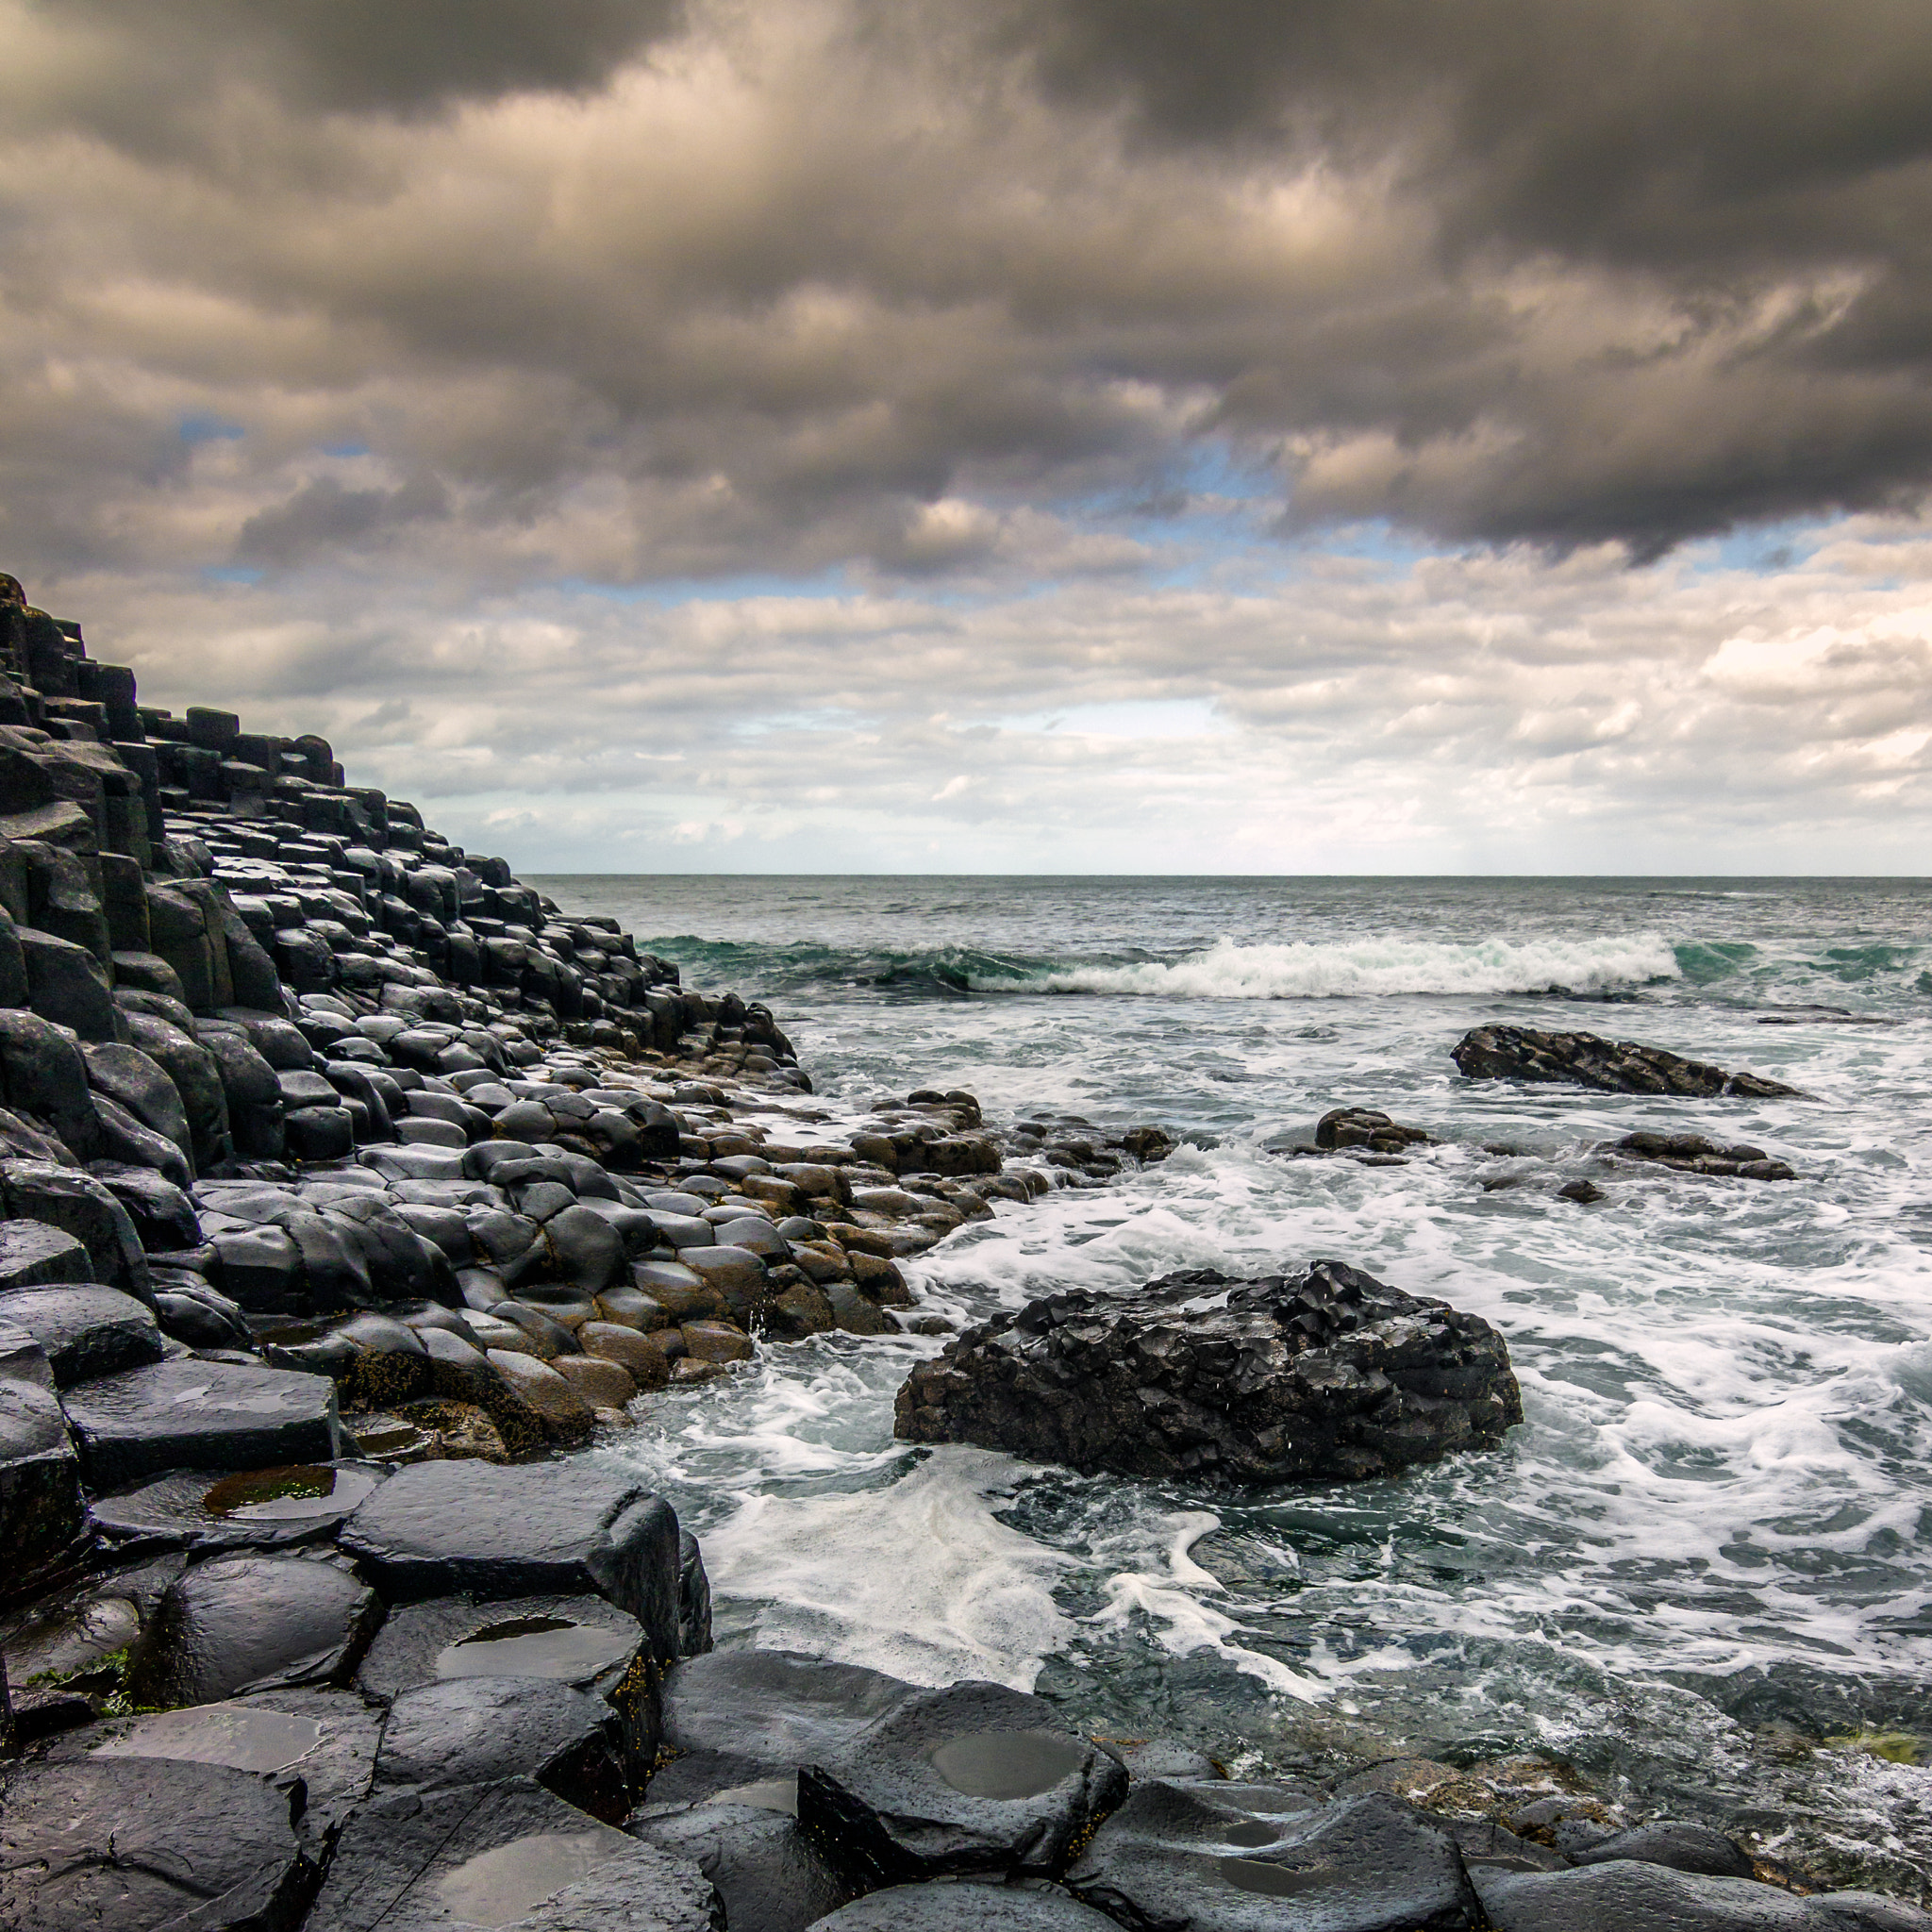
pixel 1046 436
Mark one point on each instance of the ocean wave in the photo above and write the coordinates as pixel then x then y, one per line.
pixel 1227 970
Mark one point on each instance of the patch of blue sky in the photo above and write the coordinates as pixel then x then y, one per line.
pixel 822 718
pixel 231 574
pixel 201 427
pixel 1764 549
pixel 346 449
pixel 1126 718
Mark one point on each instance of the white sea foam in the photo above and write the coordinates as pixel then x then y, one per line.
pixel 1230 971
pixel 921 1579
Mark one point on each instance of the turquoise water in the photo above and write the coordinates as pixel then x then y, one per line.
pixel 1705 1564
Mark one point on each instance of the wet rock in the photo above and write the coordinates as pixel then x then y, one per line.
pixel 198 1316
pixel 257 1509
pixel 1683 1848
pixel 1583 1192
pixel 32 1255
pixel 481 1729
pixel 503 1855
pixel 140 1085
pixel 568 1529
pixel 643 1357
pixel 743 1717
pixel 953 1907
pixel 238 1623
pixel 85 1208
pixel 1326 1374
pixel 68 985
pixel 562 1412
pixel 42 1516
pixel 163 1216
pixel 1626 1896
pixel 1584 1059
pixel 769 1876
pixel 42 1073
pixel 595 1382
pixel 973 1779
pixel 1362 1126
pixel 123 1845
pixel 1693 1153
pixel 192 1414
pixel 86 1330
pixel 1186 1854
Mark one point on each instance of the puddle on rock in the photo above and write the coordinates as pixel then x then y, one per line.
pixel 291 1495
pixel 1252 1833
pixel 236 1735
pixel 1008 1764
pixel 767 1794
pixel 1274 1881
pixel 502 1884
pixel 536 1647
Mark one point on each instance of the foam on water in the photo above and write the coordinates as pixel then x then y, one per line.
pixel 1230 971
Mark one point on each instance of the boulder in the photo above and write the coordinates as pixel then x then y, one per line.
pixel 139 1083
pixel 86 1330
pixel 1585 1060
pixel 42 1516
pixel 1322 1376
pixel 68 985
pixel 769 1876
pixel 33 1254
pixel 1693 1153
pixel 753 1717
pixel 1182 1854
pixel 196 1414
pixel 238 1623
pixel 480 1730
pixel 1362 1126
pixel 563 1528
pixel 79 1205
pixel 973 1779
pixel 122 1844
pixel 43 1074
pixel 502 1855
pixel 163 1215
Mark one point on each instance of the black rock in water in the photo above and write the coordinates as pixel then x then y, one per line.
pixel 1585 1060
pixel 1326 1374
pixel 953 1907
pixel 1693 1153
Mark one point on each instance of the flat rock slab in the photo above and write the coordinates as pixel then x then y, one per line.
pixel 327 1738
pixel 973 1779
pixel 953 1908
pixel 558 1528
pixel 1326 1374
pixel 500 1856
pixel 1179 1855
pixel 574 1640
pixel 124 1846
pixel 1626 1896
pixel 1586 1059
pixel 193 1414
pixel 768 1872
pixel 256 1508
pixel 86 1329
pixel 481 1730
pixel 236 1623
pixel 741 1717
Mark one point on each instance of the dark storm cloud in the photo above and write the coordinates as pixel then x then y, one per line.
pixel 638 291
pixel 387 56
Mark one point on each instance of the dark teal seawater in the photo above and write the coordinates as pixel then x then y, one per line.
pixel 1705 1564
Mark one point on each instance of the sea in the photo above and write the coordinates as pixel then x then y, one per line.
pixel 1700 1571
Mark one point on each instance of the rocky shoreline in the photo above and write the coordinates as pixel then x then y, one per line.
pixel 350 1185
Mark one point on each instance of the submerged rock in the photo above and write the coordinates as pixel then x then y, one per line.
pixel 1364 1126
pixel 1693 1153
pixel 1326 1374
pixel 1585 1060
pixel 952 1907
pixel 1625 1895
